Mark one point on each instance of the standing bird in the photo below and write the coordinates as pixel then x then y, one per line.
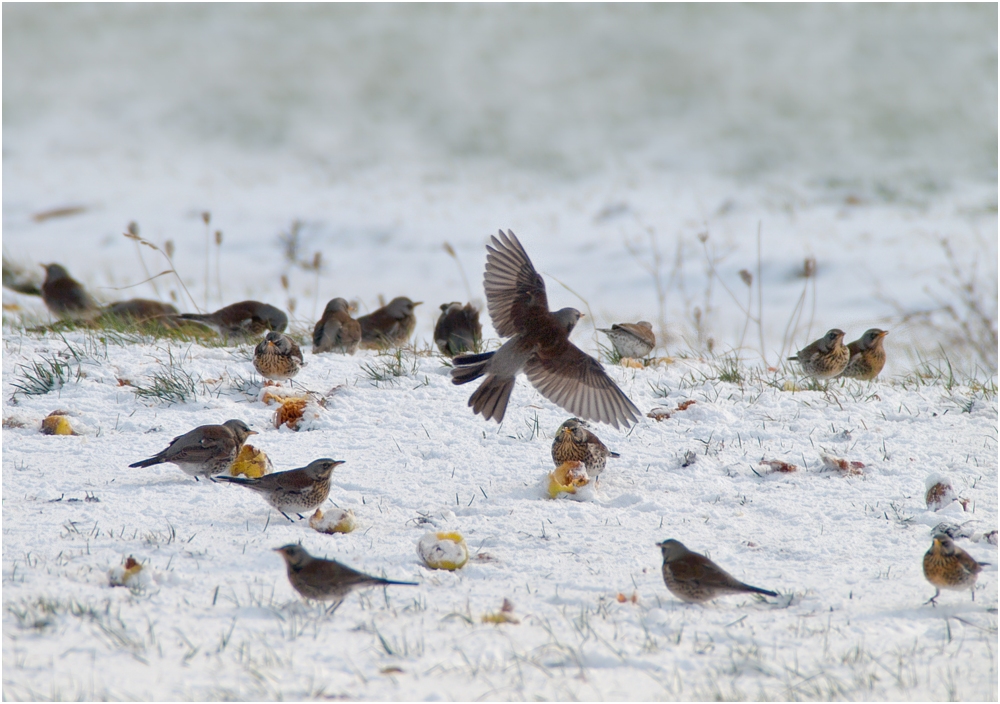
pixel 948 566
pixel 634 340
pixel 867 356
pixel 205 451
pixel 458 329
pixel 243 319
pixel 337 331
pixel 295 491
pixel 389 326
pixel 574 443
pixel 826 357
pixel 326 580
pixel 140 310
pixel 539 346
pixel 66 297
pixel 277 357
pixel 694 578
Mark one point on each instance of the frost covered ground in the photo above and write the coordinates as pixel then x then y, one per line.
pixel 217 618
pixel 637 152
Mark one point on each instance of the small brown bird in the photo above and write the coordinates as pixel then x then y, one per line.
pixel 141 312
pixel 295 491
pixel 337 331
pixel 539 346
pixel 867 356
pixel 948 566
pixel 205 451
pixel 243 319
pixel 277 357
pixel 66 297
pixel 389 326
pixel 140 309
pixel 574 443
pixel 326 580
pixel 458 329
pixel 826 357
pixel 695 579
pixel 17 278
pixel 634 340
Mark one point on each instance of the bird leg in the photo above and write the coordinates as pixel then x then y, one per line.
pixel 287 516
pixel 933 599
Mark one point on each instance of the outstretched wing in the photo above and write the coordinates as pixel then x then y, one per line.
pixel 578 383
pixel 514 290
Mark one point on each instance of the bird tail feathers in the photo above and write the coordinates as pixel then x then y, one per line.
pixel 491 397
pixel 469 367
pixel 156 459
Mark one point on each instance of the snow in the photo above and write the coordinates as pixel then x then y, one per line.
pixel 841 134
pixel 219 618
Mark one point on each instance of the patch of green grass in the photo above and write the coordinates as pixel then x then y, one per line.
pixel 171 385
pixel 390 365
pixel 41 377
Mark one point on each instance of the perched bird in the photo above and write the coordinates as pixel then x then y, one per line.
pixel 867 356
pixel 632 339
pixel 277 357
pixel 337 331
pixel 327 580
pixel 205 451
pixel 389 326
pixel 141 311
pixel 539 346
pixel 458 329
pixel 18 278
pixel 243 319
pixel 948 566
pixel 695 579
pixel 65 296
pixel 574 442
pixel 826 357
pixel 295 491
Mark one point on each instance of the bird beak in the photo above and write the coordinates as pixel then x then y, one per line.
pixel 883 334
pixel 418 303
pixel 937 543
pixel 276 549
pixel 253 432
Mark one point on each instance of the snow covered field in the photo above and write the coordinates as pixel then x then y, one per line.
pixel 219 620
pixel 636 157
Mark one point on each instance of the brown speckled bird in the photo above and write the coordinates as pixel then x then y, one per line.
pixel 337 331
pixel 390 325
pixel 295 491
pixel 634 340
pixel 826 357
pixel 205 451
pixel 948 566
pixel 243 319
pixel 867 356
pixel 574 443
pixel 66 297
pixel 539 346
pixel 326 580
pixel 695 579
pixel 140 309
pixel 277 357
pixel 141 313
pixel 458 329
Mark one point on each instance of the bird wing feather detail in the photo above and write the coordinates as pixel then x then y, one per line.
pixel 577 382
pixel 514 290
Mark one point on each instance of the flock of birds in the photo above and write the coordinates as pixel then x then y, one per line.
pixel 537 345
